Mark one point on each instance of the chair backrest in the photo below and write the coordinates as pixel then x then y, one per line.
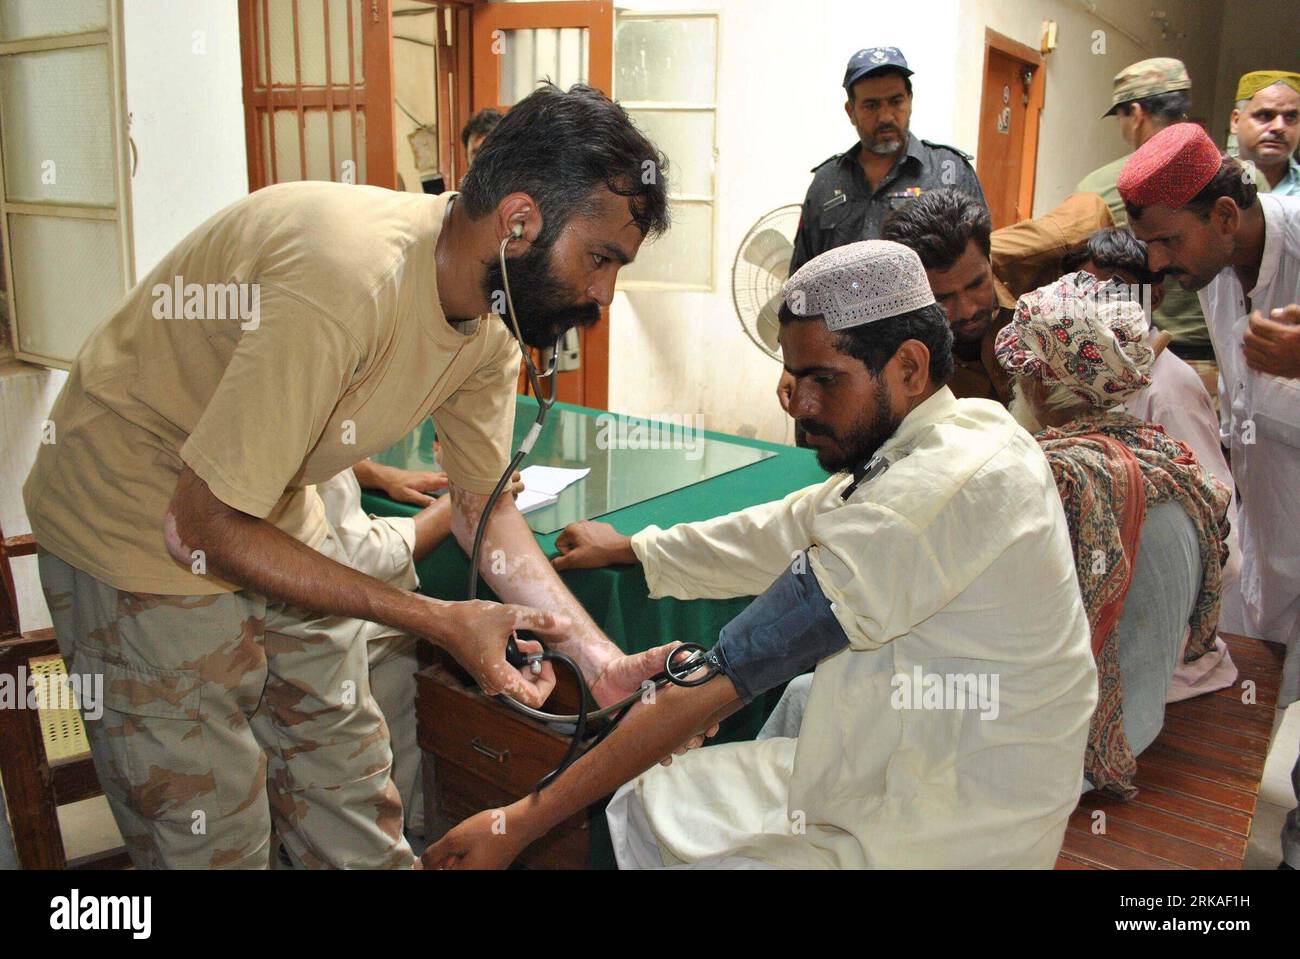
pixel 18 546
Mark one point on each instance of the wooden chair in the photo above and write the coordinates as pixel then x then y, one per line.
pixel 1198 782
pixel 34 784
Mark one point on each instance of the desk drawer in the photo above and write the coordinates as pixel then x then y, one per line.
pixel 483 756
pixel 483 737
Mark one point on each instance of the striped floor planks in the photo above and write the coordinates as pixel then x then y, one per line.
pixel 1198 783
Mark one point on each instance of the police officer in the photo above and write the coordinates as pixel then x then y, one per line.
pixel 853 192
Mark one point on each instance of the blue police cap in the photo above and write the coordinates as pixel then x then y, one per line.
pixel 868 61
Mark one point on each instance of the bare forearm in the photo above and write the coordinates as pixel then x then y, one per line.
pixel 650 732
pixel 432 526
pixel 513 565
pixel 254 554
pixel 370 475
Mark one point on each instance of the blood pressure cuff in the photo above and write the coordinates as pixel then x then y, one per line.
pixel 781 634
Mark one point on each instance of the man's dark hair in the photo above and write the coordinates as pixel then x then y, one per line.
pixel 1231 181
pixel 480 125
pixel 560 148
pixel 1170 107
pixel 887 71
pixel 938 226
pixel 875 344
pixel 1112 248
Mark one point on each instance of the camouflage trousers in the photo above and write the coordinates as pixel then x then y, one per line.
pixel 225 714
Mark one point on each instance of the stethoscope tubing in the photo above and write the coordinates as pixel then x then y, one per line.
pixel 673 673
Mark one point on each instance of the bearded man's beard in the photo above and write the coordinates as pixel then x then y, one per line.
pixel 862 440
pixel 886 147
pixel 544 308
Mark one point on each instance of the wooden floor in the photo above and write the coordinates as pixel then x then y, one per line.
pixel 1198 782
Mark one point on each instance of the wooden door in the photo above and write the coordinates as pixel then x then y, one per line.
pixel 514 46
pixel 318 91
pixel 1014 83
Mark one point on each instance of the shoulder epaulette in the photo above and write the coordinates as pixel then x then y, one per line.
pixel 943 146
pixel 830 159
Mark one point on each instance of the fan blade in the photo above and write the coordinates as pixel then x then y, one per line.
pixel 770 250
pixel 768 324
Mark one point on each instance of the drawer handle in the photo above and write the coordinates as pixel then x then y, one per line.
pixel 496 755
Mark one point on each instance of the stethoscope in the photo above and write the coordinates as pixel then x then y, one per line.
pixel 681 666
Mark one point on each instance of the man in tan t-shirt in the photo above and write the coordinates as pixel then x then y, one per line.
pixel 183 542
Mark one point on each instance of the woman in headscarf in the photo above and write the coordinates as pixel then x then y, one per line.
pixel 1077 349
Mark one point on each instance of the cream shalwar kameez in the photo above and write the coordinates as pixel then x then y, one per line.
pixel 955 560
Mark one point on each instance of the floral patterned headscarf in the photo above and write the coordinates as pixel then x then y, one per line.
pixel 1084 334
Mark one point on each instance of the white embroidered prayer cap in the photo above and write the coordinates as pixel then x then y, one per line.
pixel 859 283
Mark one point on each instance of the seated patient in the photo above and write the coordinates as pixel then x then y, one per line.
pixel 1078 349
pixel 1176 400
pixel 931 581
pixel 388 548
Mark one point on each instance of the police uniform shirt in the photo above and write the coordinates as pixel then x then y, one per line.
pixel 841 207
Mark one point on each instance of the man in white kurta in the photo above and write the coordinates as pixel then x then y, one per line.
pixel 1207 226
pixel 1266 464
pixel 1265 435
pixel 384 547
pixel 955 560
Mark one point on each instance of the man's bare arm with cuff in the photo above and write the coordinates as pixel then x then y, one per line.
pixel 252 553
pixel 784 632
pixel 650 732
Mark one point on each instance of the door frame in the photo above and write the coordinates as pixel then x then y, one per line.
pixel 455 57
pixel 597 16
pixel 1033 113
pixel 589 384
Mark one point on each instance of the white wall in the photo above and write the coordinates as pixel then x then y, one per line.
pixel 184 91
pixel 26 395
pixel 780 113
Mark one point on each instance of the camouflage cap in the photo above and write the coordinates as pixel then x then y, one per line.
pixel 1148 78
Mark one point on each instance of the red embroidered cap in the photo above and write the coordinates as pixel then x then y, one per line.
pixel 1170 168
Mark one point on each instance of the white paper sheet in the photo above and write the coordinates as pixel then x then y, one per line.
pixel 530 500
pixel 551 480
